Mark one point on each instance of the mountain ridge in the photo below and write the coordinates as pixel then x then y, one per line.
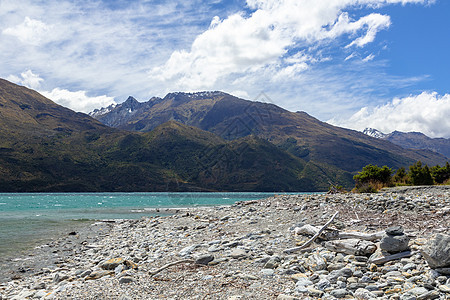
pixel 65 151
pixel 413 140
pixel 231 117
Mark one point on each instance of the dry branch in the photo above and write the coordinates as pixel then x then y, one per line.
pixel 188 261
pixel 305 245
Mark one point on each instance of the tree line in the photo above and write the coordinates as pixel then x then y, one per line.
pixel 372 178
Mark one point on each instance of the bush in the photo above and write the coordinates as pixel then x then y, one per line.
pixel 371 173
pixel 441 174
pixel 401 177
pixel 420 175
pixel 373 178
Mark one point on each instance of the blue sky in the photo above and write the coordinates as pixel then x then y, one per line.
pixel 353 63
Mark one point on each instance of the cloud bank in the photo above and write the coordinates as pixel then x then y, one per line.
pixel 427 112
pixel 77 101
pixel 283 36
pixel 319 56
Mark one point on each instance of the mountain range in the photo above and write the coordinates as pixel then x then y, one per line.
pixel 208 141
pixel 413 140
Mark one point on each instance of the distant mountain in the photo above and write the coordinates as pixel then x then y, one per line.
pixel 297 133
pixel 414 140
pixel 45 147
pixel 374 133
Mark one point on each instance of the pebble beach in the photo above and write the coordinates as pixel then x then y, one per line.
pixel 262 249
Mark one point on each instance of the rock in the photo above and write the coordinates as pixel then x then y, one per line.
pixel 126 279
pixel 272 263
pixel 315 262
pixel 238 253
pixel 417 291
pixel 410 266
pixel 38 286
pixel 444 288
pixel 85 273
pixel 429 295
pixel 344 272
pixel 112 263
pixel 98 274
pixel 39 294
pixel 323 284
pixel 363 294
pixel 267 272
pixel 395 230
pixel 315 293
pixel 339 293
pixel 303 282
pixel 298 276
pixel 130 265
pixel 437 251
pixel 247 277
pixel 204 259
pixel 188 250
pixel 286 297
pixel 394 240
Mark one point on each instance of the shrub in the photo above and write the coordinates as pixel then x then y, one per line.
pixel 373 178
pixel 441 174
pixel 420 175
pixel 401 177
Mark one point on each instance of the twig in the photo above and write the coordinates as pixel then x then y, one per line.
pixel 188 261
pixel 305 245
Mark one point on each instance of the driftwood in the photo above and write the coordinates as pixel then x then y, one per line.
pixel 332 235
pixel 305 245
pixel 351 246
pixel 183 261
pixel 384 259
pixel 360 235
pixel 313 230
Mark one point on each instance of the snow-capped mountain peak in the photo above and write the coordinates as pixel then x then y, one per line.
pixel 374 133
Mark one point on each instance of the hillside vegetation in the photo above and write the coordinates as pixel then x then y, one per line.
pixel 45 147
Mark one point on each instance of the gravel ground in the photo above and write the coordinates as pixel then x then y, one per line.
pixel 238 252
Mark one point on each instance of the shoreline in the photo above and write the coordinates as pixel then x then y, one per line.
pixel 242 239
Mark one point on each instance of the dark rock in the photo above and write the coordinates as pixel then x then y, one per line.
pixel 204 259
pixel 394 243
pixel 395 230
pixel 126 279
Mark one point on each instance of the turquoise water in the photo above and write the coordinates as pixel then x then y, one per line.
pixel 30 219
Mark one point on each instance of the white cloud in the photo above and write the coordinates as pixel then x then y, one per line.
pixel 369 57
pixel 267 39
pixel 427 112
pixel 276 46
pixel 78 101
pixel 28 79
pixel 30 31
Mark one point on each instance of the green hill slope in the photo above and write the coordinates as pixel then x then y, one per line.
pixel 47 148
pixel 298 133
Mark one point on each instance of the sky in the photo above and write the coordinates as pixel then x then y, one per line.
pixel 353 63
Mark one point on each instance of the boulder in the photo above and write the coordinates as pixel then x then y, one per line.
pixel 437 251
